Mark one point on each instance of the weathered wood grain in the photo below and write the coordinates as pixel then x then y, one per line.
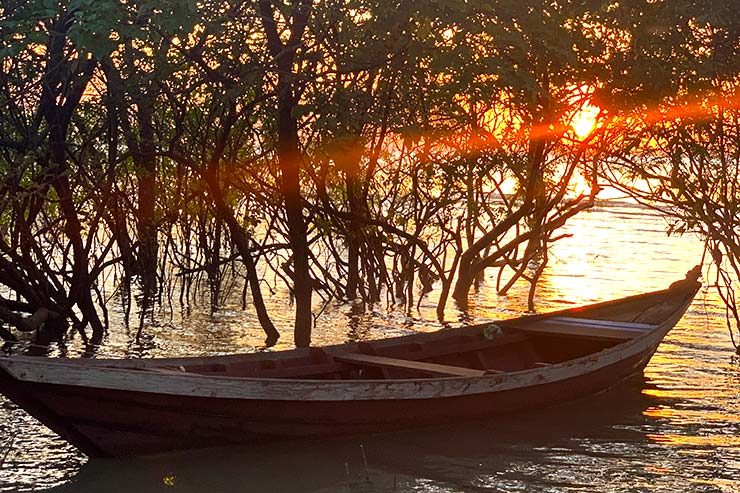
pixel 420 366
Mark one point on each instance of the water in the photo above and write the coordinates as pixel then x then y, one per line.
pixel 675 429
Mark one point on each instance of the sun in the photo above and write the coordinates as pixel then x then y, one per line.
pixel 584 121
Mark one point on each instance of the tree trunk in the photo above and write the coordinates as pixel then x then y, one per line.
pixel 471 265
pixel 290 164
pixel 146 173
pixel 61 94
pixel 289 155
pixel 241 240
pixel 349 160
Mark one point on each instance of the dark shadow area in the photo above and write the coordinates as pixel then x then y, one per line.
pixel 471 456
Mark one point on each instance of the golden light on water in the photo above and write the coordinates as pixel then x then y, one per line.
pixel 690 416
pixel 711 441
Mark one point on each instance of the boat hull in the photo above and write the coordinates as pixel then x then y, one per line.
pixel 107 422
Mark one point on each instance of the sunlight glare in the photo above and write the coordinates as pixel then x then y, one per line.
pixel 584 121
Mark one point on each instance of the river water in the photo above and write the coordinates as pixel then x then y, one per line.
pixel 677 428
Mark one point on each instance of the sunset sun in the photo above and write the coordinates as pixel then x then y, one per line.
pixel 584 121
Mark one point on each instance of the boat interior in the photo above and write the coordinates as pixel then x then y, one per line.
pixel 502 347
pixel 492 350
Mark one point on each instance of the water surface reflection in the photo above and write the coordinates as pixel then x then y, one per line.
pixel 675 431
pixel 601 440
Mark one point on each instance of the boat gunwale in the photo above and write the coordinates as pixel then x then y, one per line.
pixel 539 376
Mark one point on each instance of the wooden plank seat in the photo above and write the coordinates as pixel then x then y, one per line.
pixel 603 323
pixel 446 346
pixel 420 366
pixel 586 327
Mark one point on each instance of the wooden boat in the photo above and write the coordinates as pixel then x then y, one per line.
pixel 130 407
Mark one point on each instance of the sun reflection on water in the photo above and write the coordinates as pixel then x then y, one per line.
pixel 696 440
